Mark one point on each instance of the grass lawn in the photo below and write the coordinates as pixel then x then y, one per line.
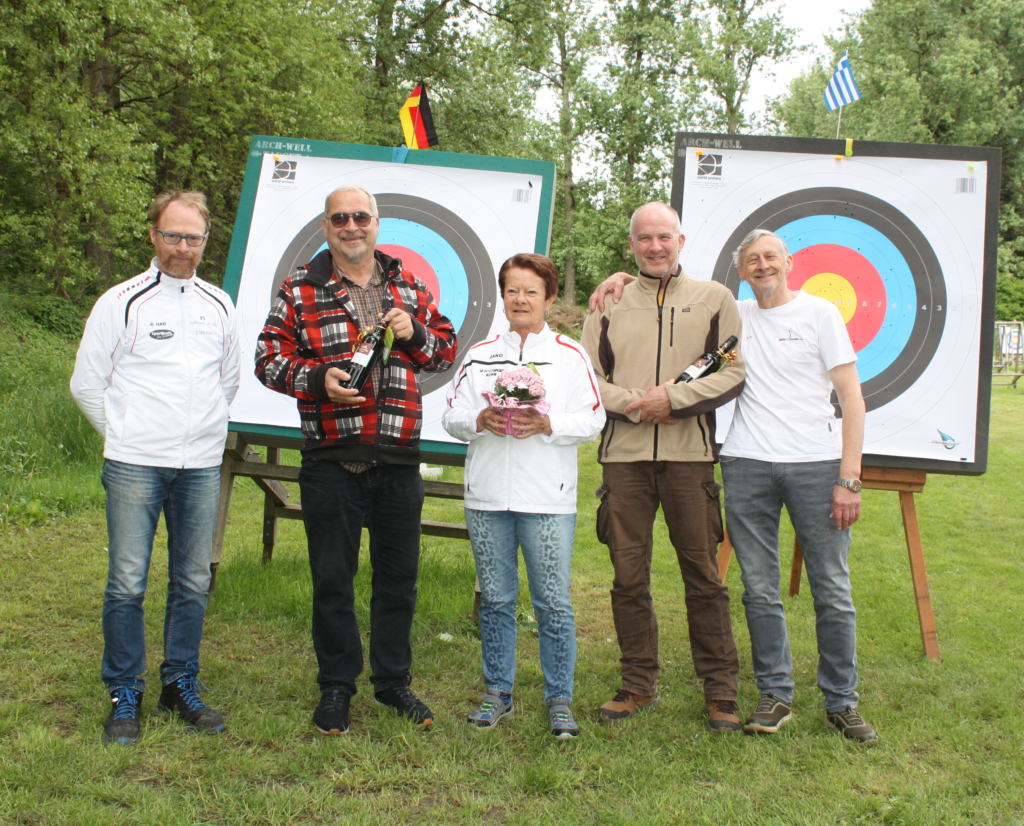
pixel 952 734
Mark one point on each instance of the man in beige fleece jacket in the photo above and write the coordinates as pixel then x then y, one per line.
pixel 658 448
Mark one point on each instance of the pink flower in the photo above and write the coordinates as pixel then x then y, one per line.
pixel 522 383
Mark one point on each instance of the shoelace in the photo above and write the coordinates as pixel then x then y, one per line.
pixel 189 686
pixel 489 707
pixel 766 703
pixel 622 696
pixel 333 700
pixel 726 706
pixel 127 702
pixel 850 717
pixel 562 719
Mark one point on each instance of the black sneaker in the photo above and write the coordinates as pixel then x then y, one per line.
pixel 331 715
pixel 407 704
pixel 182 696
pixel 122 725
pixel 849 723
pixel 769 715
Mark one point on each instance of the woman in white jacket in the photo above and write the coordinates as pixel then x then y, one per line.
pixel 520 490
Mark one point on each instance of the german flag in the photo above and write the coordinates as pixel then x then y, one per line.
pixel 417 121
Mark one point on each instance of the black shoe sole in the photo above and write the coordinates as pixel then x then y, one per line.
pixel 422 724
pixel 331 732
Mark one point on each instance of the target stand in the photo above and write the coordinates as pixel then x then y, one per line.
pixel 906 483
pixel 240 459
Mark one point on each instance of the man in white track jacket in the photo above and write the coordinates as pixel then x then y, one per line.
pixel 155 373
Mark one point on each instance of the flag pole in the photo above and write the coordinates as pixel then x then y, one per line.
pixel 840 121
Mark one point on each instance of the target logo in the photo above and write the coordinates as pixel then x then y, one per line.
pixel 284 171
pixel 709 166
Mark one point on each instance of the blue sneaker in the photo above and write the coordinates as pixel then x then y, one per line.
pixel 182 696
pixel 493 709
pixel 122 724
pixel 563 726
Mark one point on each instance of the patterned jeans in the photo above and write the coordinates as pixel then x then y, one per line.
pixel 547 541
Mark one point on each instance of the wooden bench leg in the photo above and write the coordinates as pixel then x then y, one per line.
pixel 269 518
pixel 797 568
pixel 724 556
pixel 223 506
pixel 929 635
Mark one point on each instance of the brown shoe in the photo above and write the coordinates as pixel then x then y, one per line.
pixel 723 715
pixel 625 704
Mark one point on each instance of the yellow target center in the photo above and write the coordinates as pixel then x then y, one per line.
pixel 834 288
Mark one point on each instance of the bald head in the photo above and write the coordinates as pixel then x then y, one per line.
pixel 657 206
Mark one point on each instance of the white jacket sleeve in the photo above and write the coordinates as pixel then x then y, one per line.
pixel 585 417
pixel 229 370
pixel 462 405
pixel 94 364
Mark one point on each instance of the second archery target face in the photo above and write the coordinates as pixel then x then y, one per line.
pixel 896 243
pixel 452 227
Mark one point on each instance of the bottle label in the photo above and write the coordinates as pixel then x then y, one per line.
pixel 361 357
pixel 696 370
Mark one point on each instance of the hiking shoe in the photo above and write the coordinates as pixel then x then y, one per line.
pixel 407 704
pixel 182 696
pixel 769 715
pixel 723 715
pixel 122 725
pixel 563 726
pixel 848 722
pixel 331 715
pixel 626 704
pixel 493 709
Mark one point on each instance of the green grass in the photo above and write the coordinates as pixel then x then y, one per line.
pixel 952 734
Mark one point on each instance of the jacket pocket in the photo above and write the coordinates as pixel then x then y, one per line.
pixel 716 531
pixel 602 514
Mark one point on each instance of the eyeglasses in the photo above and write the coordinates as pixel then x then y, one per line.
pixel 340 219
pixel 174 238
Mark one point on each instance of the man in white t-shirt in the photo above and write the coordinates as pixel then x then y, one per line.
pixel 785 448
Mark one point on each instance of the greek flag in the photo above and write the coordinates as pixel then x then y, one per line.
pixel 842 89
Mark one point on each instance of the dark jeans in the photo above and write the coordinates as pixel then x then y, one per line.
pixel 689 497
pixel 335 505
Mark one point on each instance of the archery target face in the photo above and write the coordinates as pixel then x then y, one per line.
pixel 889 243
pixel 441 222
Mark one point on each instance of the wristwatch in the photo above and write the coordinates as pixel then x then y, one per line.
pixel 852 484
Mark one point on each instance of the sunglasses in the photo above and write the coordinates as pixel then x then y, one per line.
pixel 340 219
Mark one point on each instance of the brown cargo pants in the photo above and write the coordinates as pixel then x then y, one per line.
pixel 689 497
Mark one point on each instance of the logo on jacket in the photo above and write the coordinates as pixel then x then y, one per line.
pixel 162 334
pixel 947 441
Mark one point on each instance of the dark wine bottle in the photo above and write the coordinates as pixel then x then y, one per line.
pixel 708 363
pixel 372 346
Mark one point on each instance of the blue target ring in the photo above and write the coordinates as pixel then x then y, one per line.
pixel 453 287
pixel 878 233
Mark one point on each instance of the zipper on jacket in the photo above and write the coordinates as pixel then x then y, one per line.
pixel 672 328
pixel 188 364
pixel 657 364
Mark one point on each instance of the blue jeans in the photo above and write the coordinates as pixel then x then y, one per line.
pixel 336 504
pixel 135 496
pixel 755 492
pixel 547 541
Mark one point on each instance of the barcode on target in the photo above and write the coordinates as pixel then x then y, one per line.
pixel 965 186
pixel 521 196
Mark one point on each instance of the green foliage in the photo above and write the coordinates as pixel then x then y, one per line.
pixel 950 732
pixel 933 71
pixel 103 105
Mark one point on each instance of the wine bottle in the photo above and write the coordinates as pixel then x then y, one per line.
pixel 708 363
pixel 374 344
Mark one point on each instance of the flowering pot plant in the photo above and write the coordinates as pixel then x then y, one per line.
pixel 520 388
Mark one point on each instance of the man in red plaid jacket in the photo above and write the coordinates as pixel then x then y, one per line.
pixel 360 457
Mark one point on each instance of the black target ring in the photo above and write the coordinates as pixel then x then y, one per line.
pixel 481 284
pixel 918 254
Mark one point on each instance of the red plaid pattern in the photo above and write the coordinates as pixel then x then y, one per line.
pixel 311 328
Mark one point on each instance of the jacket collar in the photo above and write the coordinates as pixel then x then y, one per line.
pixel 532 339
pixel 169 282
pixel 650 284
pixel 321 268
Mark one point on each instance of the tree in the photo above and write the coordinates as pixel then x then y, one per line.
pixel 933 71
pixel 725 40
